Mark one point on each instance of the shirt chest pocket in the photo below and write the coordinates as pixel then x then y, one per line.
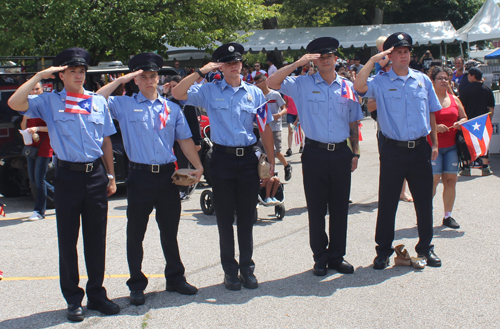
pixel 420 97
pixel 316 102
pixel 66 123
pixel 343 106
pixel 247 113
pixel 139 123
pixel 222 112
pixel 394 102
pixel 96 123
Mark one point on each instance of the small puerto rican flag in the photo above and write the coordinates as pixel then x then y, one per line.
pixel 261 117
pixel 2 212
pixel 164 115
pixel 298 137
pixel 78 103
pixel 347 92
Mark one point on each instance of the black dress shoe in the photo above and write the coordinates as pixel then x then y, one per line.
pixel 432 259
pixel 341 267
pixel 249 280
pixel 319 269
pixel 75 312
pixel 105 306
pixel 137 297
pixel 232 282
pixel 380 262
pixel 183 288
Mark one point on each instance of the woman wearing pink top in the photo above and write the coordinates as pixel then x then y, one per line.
pixel 292 119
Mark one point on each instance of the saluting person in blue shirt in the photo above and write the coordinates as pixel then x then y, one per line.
pixel 328 117
pixel 232 106
pixel 406 102
pixel 79 127
pixel 150 125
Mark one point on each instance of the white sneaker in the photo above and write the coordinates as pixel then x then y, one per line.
pixel 35 216
pixel 268 202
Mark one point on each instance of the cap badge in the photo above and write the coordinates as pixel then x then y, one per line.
pixel 400 37
pixel 249 97
pixel 230 48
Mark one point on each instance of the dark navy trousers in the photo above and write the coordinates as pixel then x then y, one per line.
pixel 78 193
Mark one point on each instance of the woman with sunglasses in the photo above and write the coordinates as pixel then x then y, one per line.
pixel 445 167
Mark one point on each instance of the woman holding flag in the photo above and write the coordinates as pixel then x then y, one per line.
pixel 232 106
pixel 448 120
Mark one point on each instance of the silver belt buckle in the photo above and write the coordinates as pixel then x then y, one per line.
pixel 411 144
pixel 89 167
pixel 155 168
pixel 240 151
pixel 330 147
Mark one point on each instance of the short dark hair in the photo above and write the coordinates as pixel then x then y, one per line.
pixel 259 76
pixel 460 58
pixel 435 71
pixel 176 78
pixel 477 73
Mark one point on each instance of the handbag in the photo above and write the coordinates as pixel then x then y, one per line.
pixel 31 151
pixel 463 151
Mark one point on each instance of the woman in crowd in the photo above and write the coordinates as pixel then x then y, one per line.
pixel 445 167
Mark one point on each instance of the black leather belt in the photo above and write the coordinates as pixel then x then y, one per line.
pixel 238 151
pixel 79 166
pixel 326 146
pixel 405 144
pixel 155 168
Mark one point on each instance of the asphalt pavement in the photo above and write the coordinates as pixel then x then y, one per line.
pixel 463 293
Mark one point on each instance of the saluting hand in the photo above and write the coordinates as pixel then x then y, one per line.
pixel 129 76
pixel 210 66
pixel 306 59
pixel 49 73
pixel 377 57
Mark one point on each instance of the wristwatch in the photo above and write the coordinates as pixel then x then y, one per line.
pixel 200 74
pixel 111 177
pixel 356 155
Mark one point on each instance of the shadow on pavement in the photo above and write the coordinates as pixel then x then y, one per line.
pixel 439 232
pixel 357 208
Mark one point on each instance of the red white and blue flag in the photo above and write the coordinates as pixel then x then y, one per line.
pixel 298 137
pixel 2 212
pixel 347 92
pixel 164 115
pixel 261 117
pixel 78 103
pixel 477 134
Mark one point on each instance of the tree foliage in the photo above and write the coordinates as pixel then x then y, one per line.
pixel 118 29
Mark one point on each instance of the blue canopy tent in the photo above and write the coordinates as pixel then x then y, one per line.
pixel 493 55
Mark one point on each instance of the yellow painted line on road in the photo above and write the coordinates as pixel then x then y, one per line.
pixel 108 276
pixel 54 217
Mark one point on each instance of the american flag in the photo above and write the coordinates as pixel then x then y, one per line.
pixel 297 136
pixel 477 134
pixel 78 103
pixel 2 212
pixel 261 117
pixel 347 91
pixel 164 115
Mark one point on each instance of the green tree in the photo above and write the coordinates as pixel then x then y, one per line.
pixel 118 29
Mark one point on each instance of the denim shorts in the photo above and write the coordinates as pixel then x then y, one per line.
pixel 290 118
pixel 446 162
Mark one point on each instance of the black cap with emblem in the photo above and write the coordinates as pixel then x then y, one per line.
pixel 146 62
pixel 228 52
pixel 324 45
pixel 398 39
pixel 72 57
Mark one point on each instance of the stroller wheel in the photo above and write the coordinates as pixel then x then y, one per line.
pixel 206 202
pixel 280 211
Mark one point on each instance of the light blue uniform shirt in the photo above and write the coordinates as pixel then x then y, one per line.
pixel 74 137
pixel 403 107
pixel 139 120
pixel 323 113
pixel 231 114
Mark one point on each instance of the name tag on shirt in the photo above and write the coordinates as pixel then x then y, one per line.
pixel 138 110
pixel 393 90
pixel 316 92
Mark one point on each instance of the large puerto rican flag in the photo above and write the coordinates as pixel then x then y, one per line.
pixel 347 92
pixel 78 103
pixel 261 117
pixel 477 134
pixel 164 115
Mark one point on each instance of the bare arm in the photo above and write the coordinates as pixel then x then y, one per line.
pixel 180 91
pixel 189 150
pixel 24 122
pixel 434 139
pixel 268 142
pixel 462 116
pixel 492 110
pixel 280 113
pixel 107 159
pixel 277 78
pixel 108 89
pixel 19 100
pixel 354 139
pixel 360 84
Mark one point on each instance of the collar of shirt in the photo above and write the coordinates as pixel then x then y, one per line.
pixel 319 79
pixel 393 76
pixel 141 99
pixel 224 84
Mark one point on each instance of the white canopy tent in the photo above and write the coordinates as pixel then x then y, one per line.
pixel 357 36
pixel 485 25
